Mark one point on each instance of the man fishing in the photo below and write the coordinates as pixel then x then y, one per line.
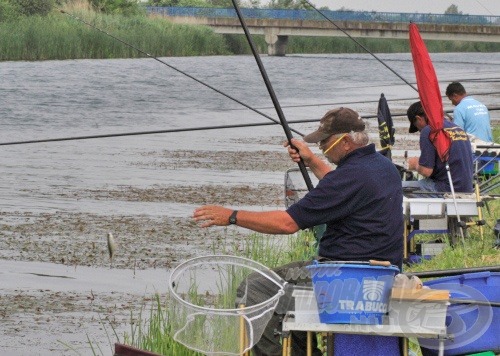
pixel 361 204
pixel 430 165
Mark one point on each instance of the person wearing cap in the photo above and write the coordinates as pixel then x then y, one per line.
pixel 360 202
pixel 430 165
pixel 470 114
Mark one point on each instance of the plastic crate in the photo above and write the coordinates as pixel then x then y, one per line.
pixel 488 165
pixel 474 328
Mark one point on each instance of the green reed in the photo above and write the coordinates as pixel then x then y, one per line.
pixel 496 134
pixel 273 251
pixel 59 36
pixel 156 333
pixel 298 44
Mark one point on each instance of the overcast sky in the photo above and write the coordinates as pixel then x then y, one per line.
pixel 471 7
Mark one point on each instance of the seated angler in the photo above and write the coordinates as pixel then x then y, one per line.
pixel 429 164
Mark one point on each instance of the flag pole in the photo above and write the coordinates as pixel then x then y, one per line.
pixel 455 203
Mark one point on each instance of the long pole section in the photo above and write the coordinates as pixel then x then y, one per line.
pixel 153 132
pixel 454 271
pixel 270 89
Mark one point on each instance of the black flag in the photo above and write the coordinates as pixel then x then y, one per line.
pixel 385 126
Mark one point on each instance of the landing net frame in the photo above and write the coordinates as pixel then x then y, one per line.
pixel 201 322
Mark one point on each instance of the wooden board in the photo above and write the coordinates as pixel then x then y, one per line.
pixel 420 294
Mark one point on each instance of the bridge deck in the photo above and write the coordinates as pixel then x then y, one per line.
pixel 357 24
pixel 358 16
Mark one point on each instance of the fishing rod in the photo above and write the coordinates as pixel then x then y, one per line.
pixel 483 303
pixel 358 102
pixel 366 49
pixel 174 68
pixel 270 89
pixel 326 104
pixel 186 129
pixel 484 7
pixel 137 133
pixel 392 59
pixel 456 272
pixel 480 80
pixel 453 271
pixel 189 76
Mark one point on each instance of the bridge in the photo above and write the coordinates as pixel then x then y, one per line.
pixel 277 25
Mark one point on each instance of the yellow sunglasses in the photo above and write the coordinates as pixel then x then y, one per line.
pixel 333 144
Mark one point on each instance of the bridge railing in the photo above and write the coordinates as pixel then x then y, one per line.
pixel 368 16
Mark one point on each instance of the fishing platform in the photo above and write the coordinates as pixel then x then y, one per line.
pixel 403 302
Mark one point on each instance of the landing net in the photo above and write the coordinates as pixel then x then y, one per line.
pixel 210 312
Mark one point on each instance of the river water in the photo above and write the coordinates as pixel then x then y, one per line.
pixel 55 99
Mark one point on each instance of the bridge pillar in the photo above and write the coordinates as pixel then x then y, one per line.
pixel 276 44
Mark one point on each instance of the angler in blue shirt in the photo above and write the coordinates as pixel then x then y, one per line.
pixel 361 204
pixel 470 114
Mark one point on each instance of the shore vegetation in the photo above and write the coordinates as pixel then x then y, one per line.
pixel 59 36
pixel 84 29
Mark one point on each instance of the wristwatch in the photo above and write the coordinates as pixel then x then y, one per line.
pixel 232 218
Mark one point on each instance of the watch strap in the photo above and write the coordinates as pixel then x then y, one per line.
pixel 232 218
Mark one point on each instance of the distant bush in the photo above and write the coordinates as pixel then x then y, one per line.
pixel 9 11
pixel 118 7
pixel 35 7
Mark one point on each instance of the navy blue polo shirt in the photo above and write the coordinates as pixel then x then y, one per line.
pixel 460 160
pixel 361 203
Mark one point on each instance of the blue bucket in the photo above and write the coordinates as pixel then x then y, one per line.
pixel 352 293
pixel 474 328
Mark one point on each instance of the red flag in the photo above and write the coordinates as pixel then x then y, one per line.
pixel 429 93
